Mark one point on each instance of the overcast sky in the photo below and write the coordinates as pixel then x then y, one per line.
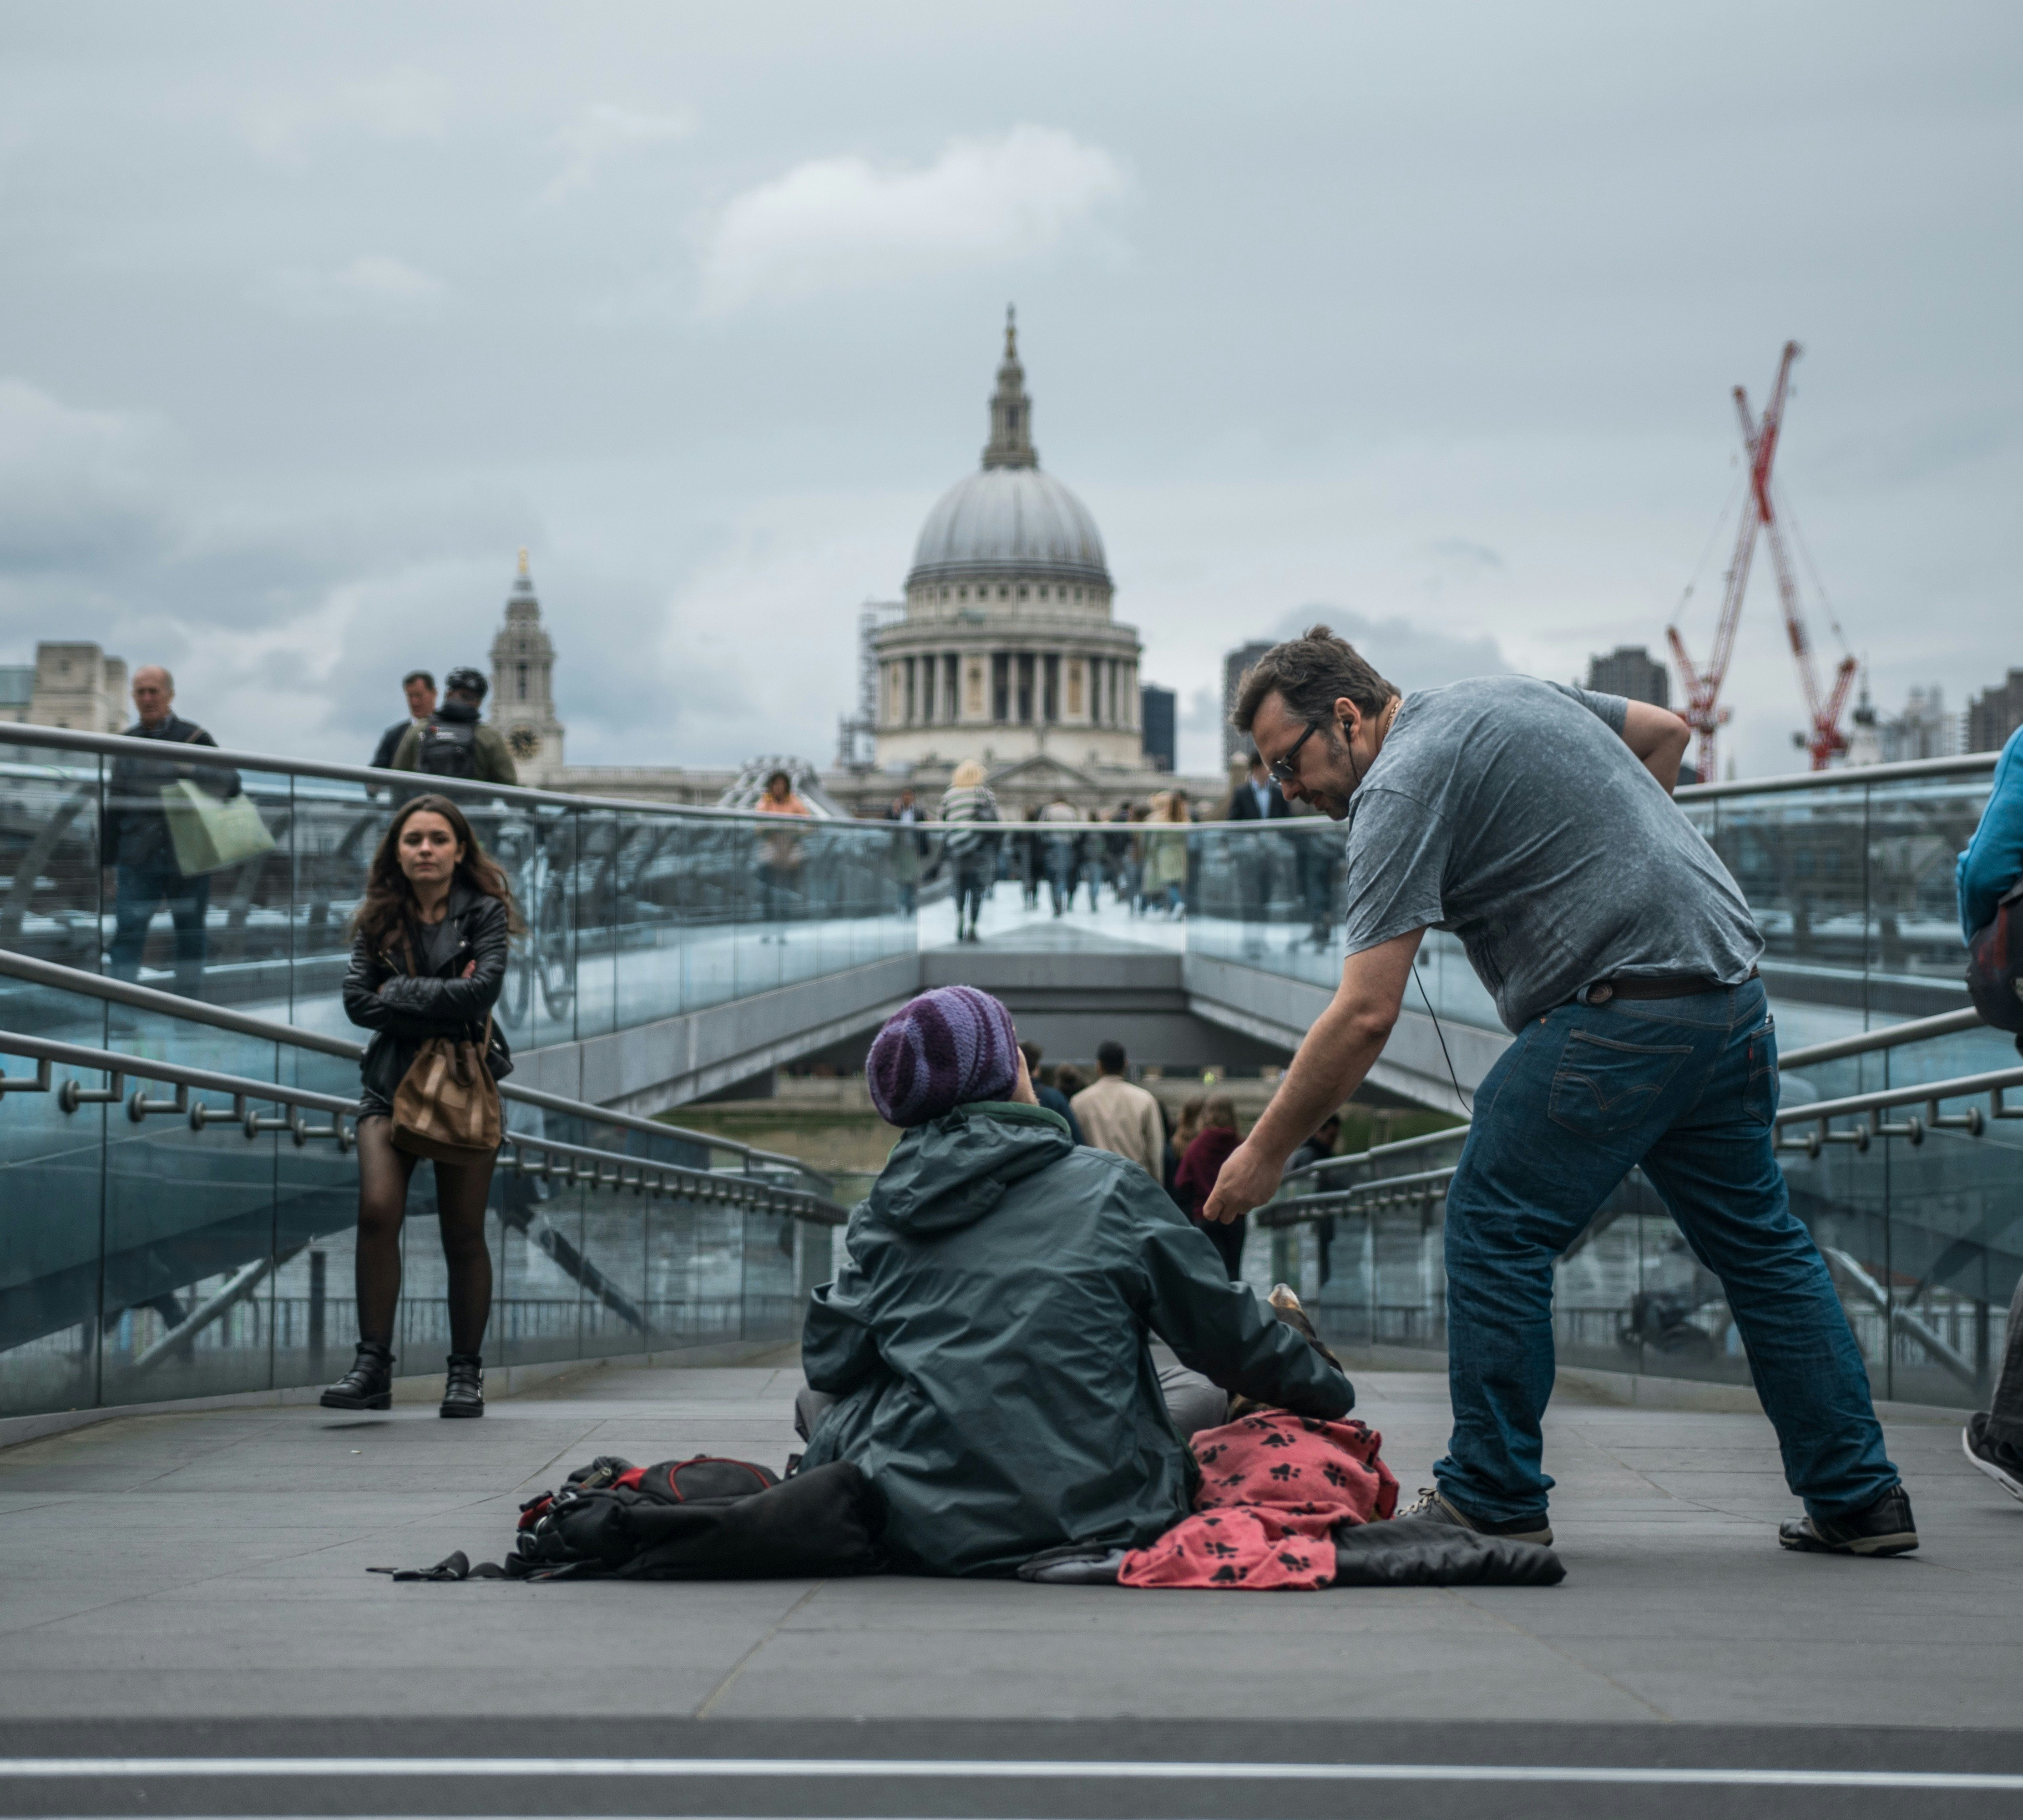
pixel 1426 316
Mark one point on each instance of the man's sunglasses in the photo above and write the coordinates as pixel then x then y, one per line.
pixel 1286 769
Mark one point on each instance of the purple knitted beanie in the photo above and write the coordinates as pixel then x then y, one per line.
pixel 944 1049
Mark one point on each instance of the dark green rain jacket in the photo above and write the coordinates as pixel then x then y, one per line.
pixel 991 1339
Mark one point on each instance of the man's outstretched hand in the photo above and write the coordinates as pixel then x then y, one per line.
pixel 1249 1178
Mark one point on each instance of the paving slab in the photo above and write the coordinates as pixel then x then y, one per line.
pixel 211 1565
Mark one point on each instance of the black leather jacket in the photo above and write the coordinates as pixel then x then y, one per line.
pixel 414 1007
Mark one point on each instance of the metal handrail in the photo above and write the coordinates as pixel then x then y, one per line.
pixel 1889 1037
pixel 119 745
pixel 71 739
pixel 1298 1209
pixel 59 977
pixel 640 1174
pixel 1866 1042
pixel 1904 770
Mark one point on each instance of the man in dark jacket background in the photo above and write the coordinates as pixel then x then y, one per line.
pixel 420 688
pixel 136 848
pixel 453 742
pixel 990 1338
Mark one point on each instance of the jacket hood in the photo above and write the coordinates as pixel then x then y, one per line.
pixel 952 1171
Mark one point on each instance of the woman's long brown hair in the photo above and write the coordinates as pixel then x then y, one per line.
pixel 390 903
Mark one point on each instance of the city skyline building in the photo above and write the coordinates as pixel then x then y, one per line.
pixel 522 703
pixel 1234 745
pixel 1007 650
pixel 1630 670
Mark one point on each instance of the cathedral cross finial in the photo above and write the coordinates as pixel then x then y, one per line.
pixel 1011 331
pixel 523 562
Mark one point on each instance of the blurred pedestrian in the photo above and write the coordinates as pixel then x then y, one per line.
pixel 419 687
pixel 970 845
pixel 1062 849
pixel 782 854
pixel 1051 1098
pixel 1166 853
pixel 1200 1165
pixel 1115 1115
pixel 909 848
pixel 136 848
pixel 453 742
pixel 1317 1148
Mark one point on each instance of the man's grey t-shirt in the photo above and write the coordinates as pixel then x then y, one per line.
pixel 1509 811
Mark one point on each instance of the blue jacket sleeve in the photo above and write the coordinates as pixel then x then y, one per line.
pixel 1993 860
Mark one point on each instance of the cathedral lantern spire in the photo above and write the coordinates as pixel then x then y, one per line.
pixel 1010 445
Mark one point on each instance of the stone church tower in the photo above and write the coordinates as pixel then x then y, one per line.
pixel 521 704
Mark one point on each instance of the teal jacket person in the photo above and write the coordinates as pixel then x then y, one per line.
pixel 990 1335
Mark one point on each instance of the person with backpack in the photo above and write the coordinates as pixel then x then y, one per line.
pixel 428 959
pixel 453 742
pixel 984 1356
pixel 1990 882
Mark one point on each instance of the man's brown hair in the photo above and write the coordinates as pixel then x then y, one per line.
pixel 1310 673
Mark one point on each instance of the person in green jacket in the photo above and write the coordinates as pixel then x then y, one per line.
pixel 984 1356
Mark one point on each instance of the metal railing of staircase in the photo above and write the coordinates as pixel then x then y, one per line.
pixel 1420 1186
pixel 642 1175
pixel 59 977
pixel 570 1165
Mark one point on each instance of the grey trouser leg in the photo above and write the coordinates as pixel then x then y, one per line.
pixel 1192 1401
pixel 2005 1408
pixel 810 1407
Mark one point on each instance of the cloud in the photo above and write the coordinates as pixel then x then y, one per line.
pixel 374 284
pixel 404 104
pixel 1407 652
pixel 603 132
pixel 842 223
pixel 75 484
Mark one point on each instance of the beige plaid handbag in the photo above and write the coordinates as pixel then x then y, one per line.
pixel 446 1107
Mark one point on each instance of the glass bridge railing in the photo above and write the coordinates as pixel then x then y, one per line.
pixel 169 1230
pixel 635 912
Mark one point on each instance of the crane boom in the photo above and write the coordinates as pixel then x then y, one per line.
pixel 1824 738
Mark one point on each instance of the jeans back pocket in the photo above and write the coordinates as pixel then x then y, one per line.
pixel 1760 1082
pixel 1604 1085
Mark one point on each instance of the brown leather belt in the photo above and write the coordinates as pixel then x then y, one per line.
pixel 1678 986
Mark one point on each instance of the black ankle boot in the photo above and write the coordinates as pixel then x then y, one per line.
pixel 464 1393
pixel 369 1384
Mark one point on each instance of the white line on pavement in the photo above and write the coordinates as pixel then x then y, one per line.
pixel 1002 1769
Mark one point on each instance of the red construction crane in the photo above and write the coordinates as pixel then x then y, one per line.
pixel 1822 738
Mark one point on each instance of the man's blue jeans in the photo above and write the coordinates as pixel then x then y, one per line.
pixel 142 891
pixel 1686 1087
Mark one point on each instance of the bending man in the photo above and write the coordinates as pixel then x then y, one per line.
pixel 1535 821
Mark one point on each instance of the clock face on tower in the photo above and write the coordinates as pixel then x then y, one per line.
pixel 525 742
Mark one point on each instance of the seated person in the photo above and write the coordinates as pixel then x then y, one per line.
pixel 985 1356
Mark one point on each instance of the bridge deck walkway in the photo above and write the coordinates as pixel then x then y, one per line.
pixel 213 1562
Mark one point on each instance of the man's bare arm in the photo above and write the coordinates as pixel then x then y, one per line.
pixel 1346 1039
pixel 1658 738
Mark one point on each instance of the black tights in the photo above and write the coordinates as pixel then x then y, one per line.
pixel 462 1191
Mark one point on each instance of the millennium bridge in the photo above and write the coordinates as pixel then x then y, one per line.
pixel 175 1282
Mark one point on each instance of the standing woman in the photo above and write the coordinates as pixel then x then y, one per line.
pixel 428 958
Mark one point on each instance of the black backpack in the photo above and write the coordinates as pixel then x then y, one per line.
pixel 1995 965
pixel 448 749
pixel 703 1518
